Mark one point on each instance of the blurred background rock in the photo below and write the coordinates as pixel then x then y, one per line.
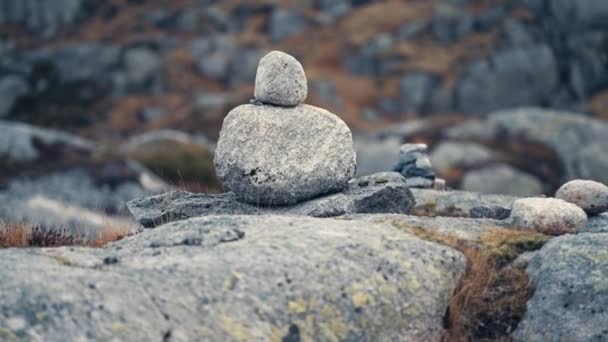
pixel 103 101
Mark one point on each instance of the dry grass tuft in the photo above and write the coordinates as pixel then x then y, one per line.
pixel 111 233
pixel 491 297
pixel 22 235
pixel 15 235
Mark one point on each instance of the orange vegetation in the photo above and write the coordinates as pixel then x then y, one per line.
pixel 23 235
pixel 491 298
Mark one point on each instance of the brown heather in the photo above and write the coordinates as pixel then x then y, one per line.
pixel 491 297
pixel 22 235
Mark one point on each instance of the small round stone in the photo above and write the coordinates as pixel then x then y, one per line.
pixel 273 155
pixel 280 80
pixel 591 196
pixel 549 216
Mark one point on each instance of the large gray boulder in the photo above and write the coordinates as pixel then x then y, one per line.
pixel 375 154
pixel 501 179
pixel 379 193
pixel 449 155
pixel 280 80
pixel 229 278
pixel 276 156
pixel 570 277
pixel 579 141
pixel 516 77
pixel 23 143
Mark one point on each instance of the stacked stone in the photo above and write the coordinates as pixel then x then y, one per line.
pixel 279 151
pixel 415 165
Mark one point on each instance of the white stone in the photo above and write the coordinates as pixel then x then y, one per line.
pixel 549 216
pixel 591 196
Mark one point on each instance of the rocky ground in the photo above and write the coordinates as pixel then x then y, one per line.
pixel 289 277
pixel 110 117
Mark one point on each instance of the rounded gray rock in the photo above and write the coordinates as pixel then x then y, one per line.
pixel 235 278
pixel 569 275
pixel 589 195
pixel 276 156
pixel 549 216
pixel 280 80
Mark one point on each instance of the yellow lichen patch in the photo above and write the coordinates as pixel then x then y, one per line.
pixel 297 306
pixel 235 329
pixel 62 260
pixel 504 245
pixel 119 329
pixel 361 299
pixel 41 315
pixel 387 290
pixel 599 280
pixel 232 281
pixel 332 324
pixel 414 284
pixel 7 335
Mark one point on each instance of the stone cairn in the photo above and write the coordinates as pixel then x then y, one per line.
pixel 277 155
pixel 415 165
pixel 277 150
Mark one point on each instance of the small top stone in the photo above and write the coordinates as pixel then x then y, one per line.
pixel 589 195
pixel 280 80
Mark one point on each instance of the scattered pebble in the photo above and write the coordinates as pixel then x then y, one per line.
pixel 589 195
pixel 549 216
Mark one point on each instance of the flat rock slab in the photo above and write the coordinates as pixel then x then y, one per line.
pixel 570 301
pixel 462 204
pixel 459 227
pixel 228 278
pixel 385 192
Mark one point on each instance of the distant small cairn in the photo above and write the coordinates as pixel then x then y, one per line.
pixel 415 165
